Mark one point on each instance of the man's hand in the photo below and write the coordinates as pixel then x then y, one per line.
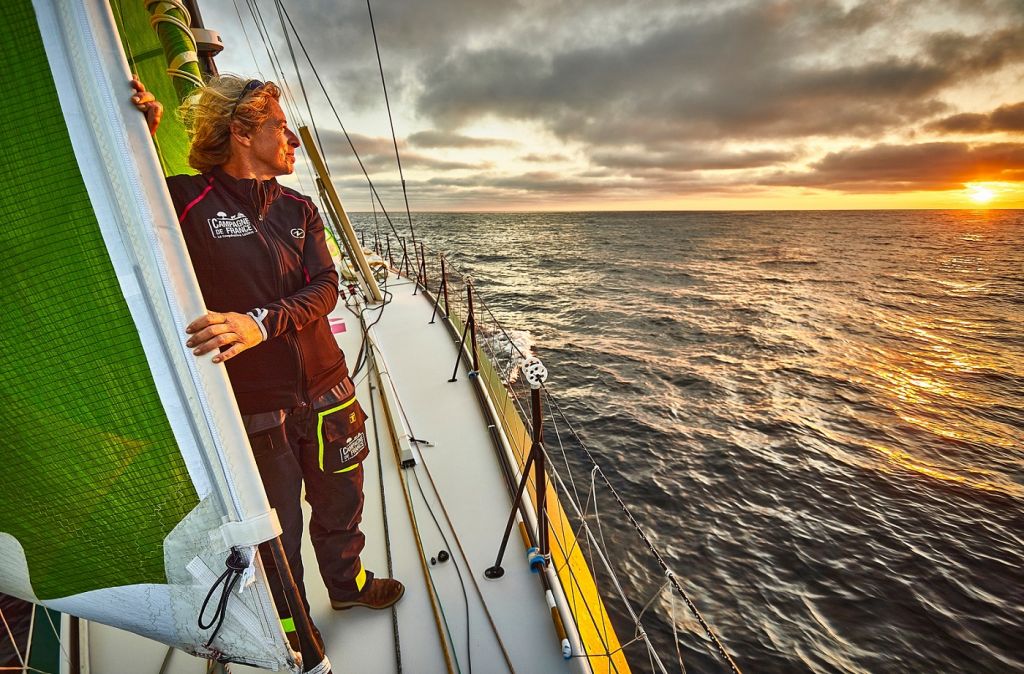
pixel 147 105
pixel 213 331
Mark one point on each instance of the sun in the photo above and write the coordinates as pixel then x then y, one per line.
pixel 979 194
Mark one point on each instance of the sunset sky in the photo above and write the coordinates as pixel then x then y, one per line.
pixel 663 104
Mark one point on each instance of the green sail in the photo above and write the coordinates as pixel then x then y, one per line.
pixel 92 480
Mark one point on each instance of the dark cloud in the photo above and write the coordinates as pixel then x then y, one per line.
pixel 692 159
pixel 897 168
pixel 542 158
pixel 752 71
pixel 435 138
pixel 646 95
pixel 378 155
pixel 1004 118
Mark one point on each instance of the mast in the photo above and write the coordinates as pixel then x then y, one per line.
pixel 208 42
pixel 171 21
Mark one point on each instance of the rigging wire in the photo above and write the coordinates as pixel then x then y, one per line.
pixel 520 451
pixel 302 85
pixel 56 633
pixel 10 635
pixel 278 72
pixel 248 42
pixel 275 59
pixel 597 470
pixel 394 138
pixel 337 117
pixel 647 542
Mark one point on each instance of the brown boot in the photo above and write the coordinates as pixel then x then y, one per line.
pixel 382 593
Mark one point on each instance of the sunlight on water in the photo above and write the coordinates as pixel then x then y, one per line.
pixel 905 461
pixel 819 415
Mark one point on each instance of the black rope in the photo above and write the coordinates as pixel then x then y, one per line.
pixel 387 531
pixel 394 139
pixel 235 564
pixel 462 583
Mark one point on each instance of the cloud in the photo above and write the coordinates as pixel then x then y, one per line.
pixel 660 97
pixel 378 155
pixel 435 138
pixel 692 159
pixel 545 157
pixel 897 168
pixel 1008 117
pixel 759 71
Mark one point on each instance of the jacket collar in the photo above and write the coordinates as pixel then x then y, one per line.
pixel 258 194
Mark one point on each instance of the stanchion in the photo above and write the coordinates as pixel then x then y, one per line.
pixel 472 333
pixel 470 330
pixel 404 266
pixel 443 288
pixel 423 266
pixel 444 279
pixel 534 373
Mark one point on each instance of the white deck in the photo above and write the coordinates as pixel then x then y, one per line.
pixel 463 464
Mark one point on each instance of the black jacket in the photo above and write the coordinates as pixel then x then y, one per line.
pixel 258 246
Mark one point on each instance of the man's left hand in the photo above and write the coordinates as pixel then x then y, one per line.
pixel 215 330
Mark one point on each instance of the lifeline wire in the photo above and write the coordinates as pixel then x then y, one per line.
pixel 650 546
pixel 657 555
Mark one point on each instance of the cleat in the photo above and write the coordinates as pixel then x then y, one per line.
pixel 382 593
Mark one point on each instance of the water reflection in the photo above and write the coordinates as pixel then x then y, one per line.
pixel 820 414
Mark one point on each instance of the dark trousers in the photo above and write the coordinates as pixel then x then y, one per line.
pixel 287 455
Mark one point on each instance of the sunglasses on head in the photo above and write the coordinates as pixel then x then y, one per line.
pixel 250 86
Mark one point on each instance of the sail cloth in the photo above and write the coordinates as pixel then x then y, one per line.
pixel 123 454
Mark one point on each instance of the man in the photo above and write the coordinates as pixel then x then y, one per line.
pixel 268 280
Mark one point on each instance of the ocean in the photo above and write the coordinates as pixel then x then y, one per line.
pixel 818 418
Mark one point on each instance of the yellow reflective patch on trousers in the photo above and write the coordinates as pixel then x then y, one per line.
pixel 288 625
pixel 320 426
pixel 345 470
pixel 361 578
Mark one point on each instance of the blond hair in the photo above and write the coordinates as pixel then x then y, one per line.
pixel 211 110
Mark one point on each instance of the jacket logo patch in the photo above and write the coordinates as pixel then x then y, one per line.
pixel 226 226
pixel 352 447
pixel 298 233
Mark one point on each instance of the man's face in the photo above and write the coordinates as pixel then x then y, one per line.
pixel 273 145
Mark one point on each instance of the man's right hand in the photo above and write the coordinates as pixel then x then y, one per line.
pixel 214 330
pixel 147 104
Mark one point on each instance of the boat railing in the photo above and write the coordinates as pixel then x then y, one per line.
pixel 581 493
